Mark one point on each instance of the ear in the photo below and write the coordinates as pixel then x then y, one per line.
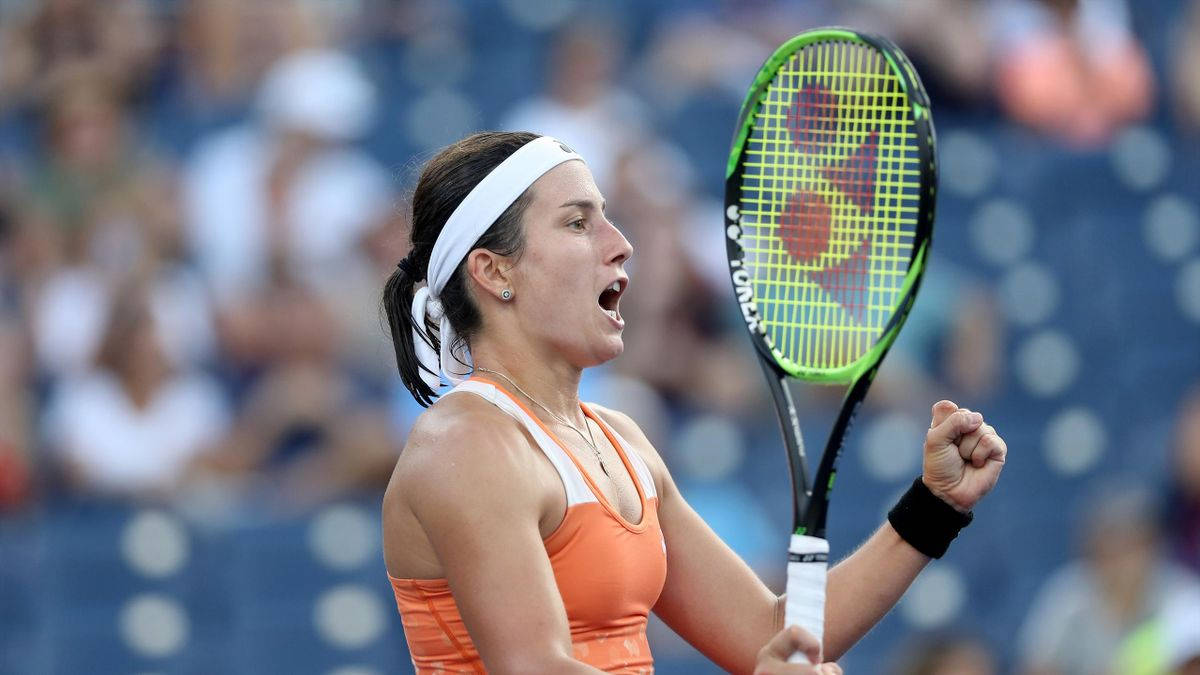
pixel 490 271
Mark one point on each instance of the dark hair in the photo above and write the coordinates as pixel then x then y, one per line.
pixel 445 182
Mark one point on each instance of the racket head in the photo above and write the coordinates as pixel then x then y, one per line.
pixel 829 202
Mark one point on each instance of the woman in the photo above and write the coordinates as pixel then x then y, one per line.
pixel 526 532
pixel 137 422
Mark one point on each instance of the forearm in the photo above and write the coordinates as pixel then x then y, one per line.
pixel 863 587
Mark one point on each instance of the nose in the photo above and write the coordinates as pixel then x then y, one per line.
pixel 621 249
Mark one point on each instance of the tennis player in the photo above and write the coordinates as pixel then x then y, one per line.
pixel 528 532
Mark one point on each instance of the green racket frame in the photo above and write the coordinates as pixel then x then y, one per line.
pixel 810 504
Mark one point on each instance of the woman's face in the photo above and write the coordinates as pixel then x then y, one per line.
pixel 573 255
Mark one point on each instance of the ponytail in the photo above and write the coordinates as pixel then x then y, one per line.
pixel 397 299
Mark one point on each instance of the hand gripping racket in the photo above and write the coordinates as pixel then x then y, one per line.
pixel 829 205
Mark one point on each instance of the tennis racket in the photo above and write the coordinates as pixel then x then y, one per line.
pixel 829 205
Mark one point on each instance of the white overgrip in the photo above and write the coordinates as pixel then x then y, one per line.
pixel 807 563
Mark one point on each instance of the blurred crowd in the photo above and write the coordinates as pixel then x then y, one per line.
pixel 192 252
pixel 200 201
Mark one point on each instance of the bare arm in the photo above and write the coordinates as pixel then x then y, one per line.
pixel 865 586
pixel 467 480
pixel 963 457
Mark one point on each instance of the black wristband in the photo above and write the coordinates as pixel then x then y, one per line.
pixel 926 522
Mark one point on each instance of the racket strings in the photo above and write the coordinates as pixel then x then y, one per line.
pixel 830 199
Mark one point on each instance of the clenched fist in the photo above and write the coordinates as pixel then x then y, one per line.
pixel 963 456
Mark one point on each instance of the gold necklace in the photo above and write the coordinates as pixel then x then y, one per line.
pixel 589 439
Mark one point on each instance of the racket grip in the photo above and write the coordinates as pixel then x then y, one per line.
pixel 807 563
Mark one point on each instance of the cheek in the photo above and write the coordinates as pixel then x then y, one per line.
pixel 558 284
pixel 560 304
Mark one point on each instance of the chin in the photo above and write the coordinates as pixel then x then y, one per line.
pixel 617 348
pixel 611 349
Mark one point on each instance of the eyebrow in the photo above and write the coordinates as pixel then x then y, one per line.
pixel 584 204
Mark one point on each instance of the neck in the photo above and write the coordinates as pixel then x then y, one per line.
pixel 140 388
pixel 553 384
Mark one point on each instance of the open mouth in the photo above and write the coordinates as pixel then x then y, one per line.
pixel 611 297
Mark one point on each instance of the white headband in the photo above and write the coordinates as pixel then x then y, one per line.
pixel 477 212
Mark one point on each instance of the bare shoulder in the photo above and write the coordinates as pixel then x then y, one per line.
pixel 630 431
pixel 461 447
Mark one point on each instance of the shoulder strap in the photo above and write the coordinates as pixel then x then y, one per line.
pixel 577 489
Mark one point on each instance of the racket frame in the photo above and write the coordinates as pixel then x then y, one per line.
pixel 811 500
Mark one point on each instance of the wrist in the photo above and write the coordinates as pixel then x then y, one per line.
pixel 940 495
pixel 927 522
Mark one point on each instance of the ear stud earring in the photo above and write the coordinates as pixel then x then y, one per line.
pixel 506 294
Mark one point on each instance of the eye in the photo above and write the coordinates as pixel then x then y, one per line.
pixel 578 224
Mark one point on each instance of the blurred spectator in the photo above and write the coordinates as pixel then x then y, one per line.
pixel 226 46
pixel 1186 69
pixel 133 425
pixel 947 655
pixel 307 430
pixel 106 198
pixel 1089 608
pixel 681 63
pixel 97 211
pixel 1183 512
pixel 1167 644
pixel 122 39
pixel 222 50
pixel 288 193
pixel 583 106
pixel 287 188
pixel 1072 69
pixel 946 40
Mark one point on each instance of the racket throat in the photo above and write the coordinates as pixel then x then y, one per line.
pixel 789 426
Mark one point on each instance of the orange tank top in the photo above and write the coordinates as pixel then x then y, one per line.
pixel 609 571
